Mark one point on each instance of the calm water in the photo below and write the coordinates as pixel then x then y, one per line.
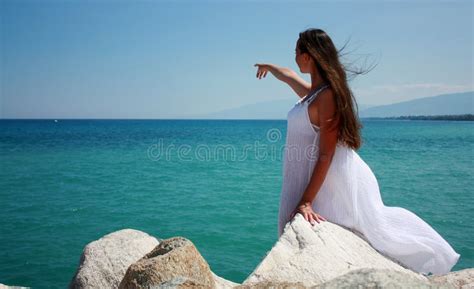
pixel 217 183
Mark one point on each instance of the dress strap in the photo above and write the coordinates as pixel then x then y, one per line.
pixel 312 97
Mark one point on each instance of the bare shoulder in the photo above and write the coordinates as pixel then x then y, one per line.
pixel 327 99
pixel 327 107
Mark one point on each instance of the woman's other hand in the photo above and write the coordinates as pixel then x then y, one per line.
pixel 306 210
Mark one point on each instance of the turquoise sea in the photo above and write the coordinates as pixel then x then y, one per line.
pixel 216 182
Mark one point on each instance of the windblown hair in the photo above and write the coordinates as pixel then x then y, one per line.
pixel 320 47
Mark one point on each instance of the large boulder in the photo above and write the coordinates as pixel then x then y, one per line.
pixel 316 254
pixel 325 255
pixel 366 278
pixel 462 279
pixel 104 262
pixel 378 278
pixel 174 263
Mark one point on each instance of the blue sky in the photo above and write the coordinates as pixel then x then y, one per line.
pixel 164 59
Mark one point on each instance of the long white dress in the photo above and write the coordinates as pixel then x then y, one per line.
pixel 350 196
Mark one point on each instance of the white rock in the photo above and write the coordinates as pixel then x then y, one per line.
pixel 316 254
pixel 3 286
pixel 378 278
pixel 462 279
pixel 104 262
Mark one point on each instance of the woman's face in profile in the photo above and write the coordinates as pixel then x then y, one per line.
pixel 297 56
pixel 299 60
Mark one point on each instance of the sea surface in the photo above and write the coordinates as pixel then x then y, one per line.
pixel 216 182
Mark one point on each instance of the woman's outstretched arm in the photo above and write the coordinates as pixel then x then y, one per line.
pixel 290 77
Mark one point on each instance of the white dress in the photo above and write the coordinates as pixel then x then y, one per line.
pixel 350 196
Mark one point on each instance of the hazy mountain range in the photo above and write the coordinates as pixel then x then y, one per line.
pixel 444 104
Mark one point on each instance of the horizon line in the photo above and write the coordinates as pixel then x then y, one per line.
pixel 252 119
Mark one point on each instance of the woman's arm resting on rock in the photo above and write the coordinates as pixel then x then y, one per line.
pixel 327 145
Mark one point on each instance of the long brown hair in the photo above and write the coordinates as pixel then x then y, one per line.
pixel 320 47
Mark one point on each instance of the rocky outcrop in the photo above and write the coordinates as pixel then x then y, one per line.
pixel 325 255
pixel 378 278
pixel 462 279
pixel 366 278
pixel 104 262
pixel 174 263
pixel 319 253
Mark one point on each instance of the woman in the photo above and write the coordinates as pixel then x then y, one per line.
pixel 324 177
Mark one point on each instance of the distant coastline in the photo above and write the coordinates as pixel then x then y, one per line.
pixel 457 117
pixel 469 117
